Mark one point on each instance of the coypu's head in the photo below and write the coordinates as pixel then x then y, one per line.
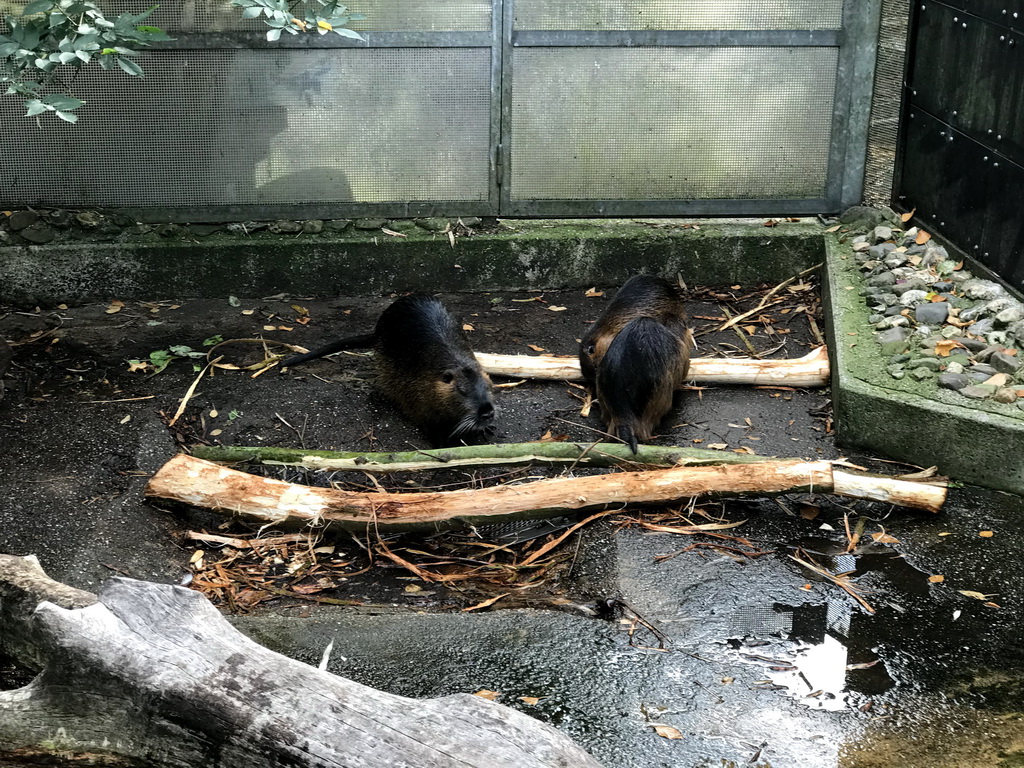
pixel 462 398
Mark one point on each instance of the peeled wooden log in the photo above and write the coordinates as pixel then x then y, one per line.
pixel 206 484
pixel 552 453
pixel 152 675
pixel 811 370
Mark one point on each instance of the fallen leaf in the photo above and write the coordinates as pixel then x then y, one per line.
pixel 535 348
pixel 300 309
pixel 413 588
pixel 114 307
pixel 997 380
pixel 126 419
pixel 750 329
pixel 922 237
pixel 530 700
pixel 509 384
pixel 806 587
pixel 483 693
pixel 908 216
pixel 744 449
pixel 946 533
pixel 392 232
pixel 771 223
pixel 553 308
pixel 884 538
pixel 1010 352
pixel 248 311
pixel 284 328
pixel 215 432
pixel 959 266
pixel 593 293
pixel 986 534
pixel 214 413
pixel 305 320
pixel 485 603
pixel 946 346
pixel 667 731
pixel 992 605
pixel 975 595
pixel 196 556
pixel 718 446
pixel 833 229
pixel 468 327
pixel 269 328
pixel 936 579
pixel 137 365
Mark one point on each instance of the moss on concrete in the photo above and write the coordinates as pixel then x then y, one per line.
pixel 522 255
pixel 979 442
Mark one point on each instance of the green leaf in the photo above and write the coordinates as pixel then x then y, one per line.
pixel 252 12
pixel 160 359
pixel 273 34
pixel 39 6
pixel 35 107
pixel 66 103
pixel 130 67
pixel 213 340
pixel 68 117
pixel 346 32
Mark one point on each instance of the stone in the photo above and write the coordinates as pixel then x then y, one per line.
pixel 5 237
pixel 1017 330
pixel 974 345
pixel 913 298
pixel 337 225
pixel 958 358
pixel 955 367
pixel 402 225
pixel 962 276
pixel 59 218
pixel 951 332
pixel 88 219
pixel 955 381
pixel 911 284
pixel 876 318
pixel 998 338
pixel 204 230
pixel 932 314
pixel 895 260
pixel 920 374
pixel 1004 363
pixel 19 220
pixel 896 371
pixel 894 321
pixel 170 230
pixel 285 227
pixel 894 347
pixel 367 224
pixel 38 233
pixel 862 214
pixel 470 221
pixel 1011 314
pixel 881 233
pixel 988 370
pixel 997 381
pixel 313 227
pixel 246 227
pixel 433 224
pixel 930 363
pixel 983 326
pixel 894 334
pixel 941 286
pixel 901 358
pixel 998 305
pixel 977 391
pixel 894 308
pixel 1005 395
pixel 985 290
pixel 983 354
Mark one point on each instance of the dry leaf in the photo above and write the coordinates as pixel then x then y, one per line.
pixel 744 449
pixel 303 320
pixel 269 328
pixel 771 223
pixel 214 413
pixel 468 327
pixel 248 311
pixel 997 380
pixel 750 329
pixel 975 595
pixel 553 308
pixel 908 216
pixel 300 309
pixel 115 307
pixel 667 731
pixel 413 588
pixel 126 419
pixel 861 246
pixel 936 579
pixel 718 446
pixel 392 232
pixel 530 700
pixel 139 366
pixel 215 432
pixel 535 348
pixel 284 328
pixel 593 293
pixel 485 603
pixel 833 229
pixel 196 556
pixel 509 384
pixel 884 538
pixel 483 693
pixel 451 239
pixel 986 534
pixel 922 237
pixel 944 347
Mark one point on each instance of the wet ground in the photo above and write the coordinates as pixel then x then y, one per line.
pixel 726 654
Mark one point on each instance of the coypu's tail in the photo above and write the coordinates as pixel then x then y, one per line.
pixel 350 342
pixel 627 435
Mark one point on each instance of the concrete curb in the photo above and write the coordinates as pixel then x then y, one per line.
pixel 523 255
pixel 910 421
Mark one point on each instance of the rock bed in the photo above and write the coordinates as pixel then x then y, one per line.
pixel 933 319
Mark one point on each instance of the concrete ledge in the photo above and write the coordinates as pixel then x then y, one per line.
pixel 522 255
pixel 907 420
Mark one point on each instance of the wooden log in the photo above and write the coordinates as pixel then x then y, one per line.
pixel 811 370
pixel 551 453
pixel 152 675
pixel 206 484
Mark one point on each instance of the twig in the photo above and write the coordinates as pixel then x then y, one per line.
pixel 191 391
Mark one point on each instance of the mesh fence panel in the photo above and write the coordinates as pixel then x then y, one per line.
pixel 236 127
pixel 671 123
pixel 381 15
pixel 679 14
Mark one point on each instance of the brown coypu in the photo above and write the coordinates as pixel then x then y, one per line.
pixel 636 355
pixel 426 367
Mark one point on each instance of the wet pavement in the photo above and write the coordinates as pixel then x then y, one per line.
pixel 707 657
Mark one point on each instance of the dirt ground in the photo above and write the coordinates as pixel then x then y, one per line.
pixel 81 433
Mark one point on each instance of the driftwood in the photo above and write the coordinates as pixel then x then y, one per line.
pixel 811 370
pixel 206 484
pixel 514 454
pixel 152 675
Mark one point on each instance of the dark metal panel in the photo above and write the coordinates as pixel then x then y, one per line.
pixel 689 38
pixel 1005 12
pixel 970 73
pixel 965 191
pixel 666 207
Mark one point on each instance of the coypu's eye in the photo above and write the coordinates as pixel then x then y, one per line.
pixel 447 377
pixel 591 348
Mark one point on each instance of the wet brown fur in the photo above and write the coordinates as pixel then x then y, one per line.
pixel 636 355
pixel 426 367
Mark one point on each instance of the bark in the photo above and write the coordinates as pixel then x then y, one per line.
pixel 583 454
pixel 152 675
pixel 811 370
pixel 205 484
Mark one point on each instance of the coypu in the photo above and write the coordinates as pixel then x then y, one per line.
pixel 636 355
pixel 426 367
pixel 5 361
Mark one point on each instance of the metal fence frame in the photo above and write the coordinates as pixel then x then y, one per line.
pixel 857 42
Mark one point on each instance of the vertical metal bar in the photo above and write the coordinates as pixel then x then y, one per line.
pixel 913 27
pixel 852 108
pixel 505 142
pixel 494 196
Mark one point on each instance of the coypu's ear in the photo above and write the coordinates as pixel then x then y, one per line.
pixel 448 377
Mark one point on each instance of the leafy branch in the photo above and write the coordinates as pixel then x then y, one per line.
pixel 45 48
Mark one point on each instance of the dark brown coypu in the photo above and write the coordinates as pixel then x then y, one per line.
pixel 426 367
pixel 5 361
pixel 636 355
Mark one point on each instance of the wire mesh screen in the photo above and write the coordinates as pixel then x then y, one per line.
pixel 679 14
pixel 381 15
pixel 671 123
pixel 237 127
